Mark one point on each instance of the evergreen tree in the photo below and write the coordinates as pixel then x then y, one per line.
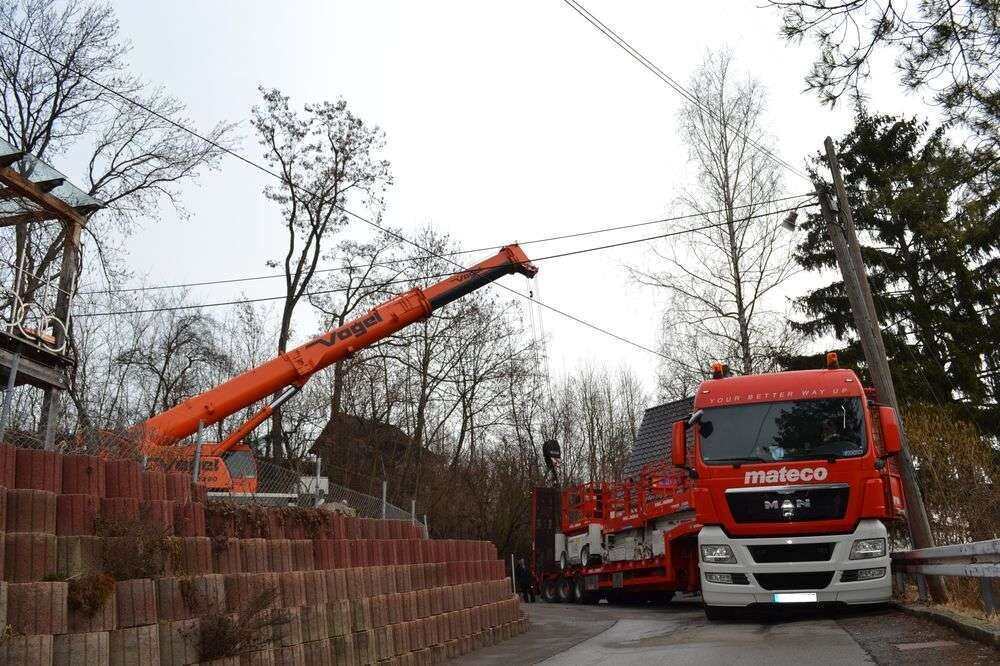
pixel 927 216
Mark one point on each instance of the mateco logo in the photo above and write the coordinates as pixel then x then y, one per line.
pixel 785 475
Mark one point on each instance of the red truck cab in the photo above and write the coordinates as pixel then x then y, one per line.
pixel 793 484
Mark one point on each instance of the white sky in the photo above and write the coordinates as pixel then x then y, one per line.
pixel 504 120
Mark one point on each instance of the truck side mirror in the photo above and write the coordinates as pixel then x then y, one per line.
pixel 892 442
pixel 678 444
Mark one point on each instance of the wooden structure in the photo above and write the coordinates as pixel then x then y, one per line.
pixel 34 347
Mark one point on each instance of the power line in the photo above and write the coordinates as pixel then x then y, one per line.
pixel 346 211
pixel 673 83
pixel 559 255
pixel 396 262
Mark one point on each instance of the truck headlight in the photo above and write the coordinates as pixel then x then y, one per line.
pixel 866 549
pixel 720 554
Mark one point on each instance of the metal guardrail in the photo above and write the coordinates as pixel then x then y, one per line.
pixel 978 559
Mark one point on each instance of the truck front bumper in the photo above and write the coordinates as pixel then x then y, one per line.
pixel 778 582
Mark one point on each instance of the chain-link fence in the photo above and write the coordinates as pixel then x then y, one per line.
pixel 236 475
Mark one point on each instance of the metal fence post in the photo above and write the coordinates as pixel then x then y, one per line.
pixel 197 455
pixel 513 578
pixel 9 393
pixel 385 489
pixel 316 491
pixel 922 589
pixel 413 509
pixel 427 528
pixel 989 601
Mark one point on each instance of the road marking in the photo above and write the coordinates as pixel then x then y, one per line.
pixel 924 646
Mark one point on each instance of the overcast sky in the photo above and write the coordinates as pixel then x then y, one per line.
pixel 505 121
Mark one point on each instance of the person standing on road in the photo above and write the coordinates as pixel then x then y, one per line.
pixel 525 582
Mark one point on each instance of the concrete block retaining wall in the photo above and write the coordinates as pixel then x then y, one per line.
pixel 348 590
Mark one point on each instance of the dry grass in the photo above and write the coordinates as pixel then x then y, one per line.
pixel 253 627
pixel 89 592
pixel 962 600
pixel 133 549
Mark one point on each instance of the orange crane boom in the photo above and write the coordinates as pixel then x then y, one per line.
pixel 287 373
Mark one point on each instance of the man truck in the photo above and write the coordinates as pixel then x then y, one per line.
pixel 777 491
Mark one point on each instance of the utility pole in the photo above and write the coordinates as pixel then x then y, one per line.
pixel 840 228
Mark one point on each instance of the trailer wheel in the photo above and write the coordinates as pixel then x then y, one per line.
pixel 580 591
pixel 564 590
pixel 549 594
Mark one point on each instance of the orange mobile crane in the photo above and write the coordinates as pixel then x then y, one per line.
pixel 228 466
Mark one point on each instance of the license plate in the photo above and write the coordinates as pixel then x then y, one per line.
pixel 794 597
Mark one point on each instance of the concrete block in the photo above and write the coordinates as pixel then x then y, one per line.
pixel 120 509
pixel 317 653
pixel 313 621
pixel 37 608
pixel 293 590
pixel 26 651
pixel 159 513
pixel 30 510
pixel 343 649
pixel 103 620
pixel 81 649
pixel 183 598
pixel 123 479
pixel 134 646
pixel 291 631
pixel 279 555
pixel 154 485
pixel 290 655
pixel 179 642
pixel 189 556
pixel 315 586
pixel 189 519
pixel 76 514
pixel 83 475
pixel 135 602
pixel 79 555
pixel 38 470
pixel 178 486
pixel 8 463
pixel 29 557
pixel 302 554
pixel 254 555
pixel 226 556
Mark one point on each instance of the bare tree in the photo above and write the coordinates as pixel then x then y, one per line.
pixel 55 77
pixel 366 275
pixel 721 281
pixel 328 159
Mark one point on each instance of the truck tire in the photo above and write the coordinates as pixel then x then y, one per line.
pixel 549 591
pixel 580 594
pixel 585 556
pixel 564 590
pixel 719 613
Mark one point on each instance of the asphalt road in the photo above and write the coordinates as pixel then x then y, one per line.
pixel 679 634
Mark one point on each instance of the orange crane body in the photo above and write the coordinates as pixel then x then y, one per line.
pixel 287 373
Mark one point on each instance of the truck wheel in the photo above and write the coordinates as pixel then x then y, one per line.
pixel 580 591
pixel 564 590
pixel 719 613
pixel 585 556
pixel 549 591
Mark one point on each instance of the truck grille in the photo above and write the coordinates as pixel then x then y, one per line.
pixel 809 580
pixel 799 552
pixel 770 506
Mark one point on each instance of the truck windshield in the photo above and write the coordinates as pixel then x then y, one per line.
pixel 240 464
pixel 795 430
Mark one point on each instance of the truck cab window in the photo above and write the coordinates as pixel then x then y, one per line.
pixel 793 430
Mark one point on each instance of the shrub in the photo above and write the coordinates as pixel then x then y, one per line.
pixel 132 548
pixel 87 593
pixel 252 628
